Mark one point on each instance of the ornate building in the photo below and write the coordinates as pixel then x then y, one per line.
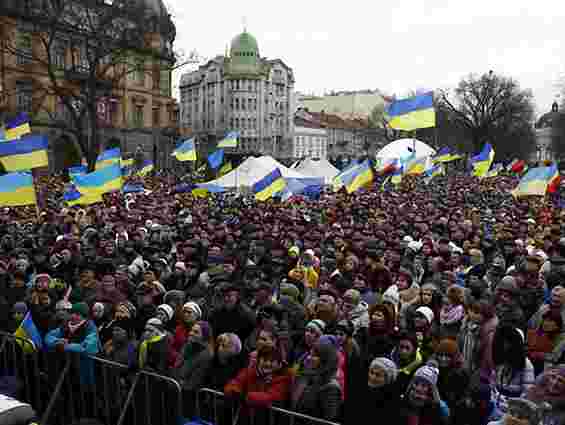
pixel 243 92
pixel 137 109
pixel 549 134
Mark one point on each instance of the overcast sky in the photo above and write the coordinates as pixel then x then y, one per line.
pixel 393 46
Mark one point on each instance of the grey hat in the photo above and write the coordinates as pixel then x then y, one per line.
pixel 508 283
pixel 390 369
pixel 525 409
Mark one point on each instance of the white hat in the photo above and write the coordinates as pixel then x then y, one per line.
pixel 167 309
pixel 154 322
pixel 391 295
pixel 427 313
pixel 195 308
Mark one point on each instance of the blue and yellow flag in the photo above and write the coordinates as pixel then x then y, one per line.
pixel 17 189
pixel 215 159
pixel 92 185
pixel 186 151
pixel 226 168
pixel 481 162
pixel 445 155
pixel 361 176
pixel 397 176
pixel 108 157
pixel 416 166
pixel 30 338
pixel 17 127
pixel 230 141
pixel 78 169
pixel 269 185
pixel 24 154
pixel 146 168
pixel 412 113
pixel 536 181
pixel 126 165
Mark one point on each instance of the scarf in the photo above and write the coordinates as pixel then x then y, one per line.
pixel 74 327
pixel 470 339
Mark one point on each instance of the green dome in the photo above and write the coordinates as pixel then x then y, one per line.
pixel 244 53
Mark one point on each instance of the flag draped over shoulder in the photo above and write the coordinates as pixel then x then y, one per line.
pixel 536 181
pixel 481 162
pixel 24 154
pixel 186 151
pixel 269 185
pixel 16 189
pixel 412 113
pixel 17 127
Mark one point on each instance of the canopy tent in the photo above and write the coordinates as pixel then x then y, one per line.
pixel 402 148
pixel 252 170
pixel 319 168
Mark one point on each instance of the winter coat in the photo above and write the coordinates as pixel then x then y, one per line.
pixel 258 392
pixel 321 401
pixel 428 415
pixel 196 365
pixel 240 321
pixel 373 402
pixel 220 374
pixel 176 344
pixel 359 316
pixel 476 347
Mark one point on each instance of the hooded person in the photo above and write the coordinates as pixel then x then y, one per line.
pixel 318 392
pixel 289 300
pixel 422 403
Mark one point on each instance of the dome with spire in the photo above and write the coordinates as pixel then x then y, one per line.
pixel 155 6
pixel 244 54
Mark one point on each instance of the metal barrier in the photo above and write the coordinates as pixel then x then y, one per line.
pixel 271 416
pixel 65 387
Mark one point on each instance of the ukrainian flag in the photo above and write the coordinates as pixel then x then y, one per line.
pixel 98 182
pixel 344 177
pixel 361 176
pixel 481 162
pixel 445 155
pixel 17 189
pixel 146 168
pixel 412 113
pixel 436 170
pixel 496 168
pixel 269 185
pixel 226 168
pixel 230 141
pixel 17 127
pixel 215 159
pixel 397 176
pixel 24 154
pixel 536 181
pixel 29 337
pixel 78 169
pixel 416 166
pixel 108 157
pixel 186 151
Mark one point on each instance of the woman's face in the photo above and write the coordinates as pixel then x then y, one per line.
pixel 474 316
pixel 195 332
pixel 421 392
pixel 402 282
pixel 311 336
pixel 188 315
pixel 265 339
pixel 224 344
pixel 427 295
pixel 378 317
pixel 377 377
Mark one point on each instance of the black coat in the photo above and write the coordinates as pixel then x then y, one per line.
pixel 240 321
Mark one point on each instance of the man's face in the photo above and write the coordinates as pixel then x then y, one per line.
pixel 326 303
pixel 231 298
pixel 405 349
pixel 87 279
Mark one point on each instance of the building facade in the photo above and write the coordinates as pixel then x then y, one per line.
pixel 137 109
pixel 242 92
pixel 310 139
pixel 549 132
pixel 345 104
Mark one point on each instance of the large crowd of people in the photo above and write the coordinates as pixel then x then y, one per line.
pixel 431 303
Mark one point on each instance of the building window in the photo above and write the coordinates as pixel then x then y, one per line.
pixel 138 116
pixel 156 116
pixel 237 123
pixel 58 50
pixel 165 80
pixel 237 104
pixel 243 104
pixel 24 96
pixel 231 122
pixel 23 47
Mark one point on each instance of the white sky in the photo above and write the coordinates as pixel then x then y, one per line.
pixel 393 46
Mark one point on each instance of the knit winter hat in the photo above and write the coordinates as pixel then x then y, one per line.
pixel 167 309
pixel 154 322
pixel 290 290
pixel 508 283
pixel 391 295
pixel 129 307
pixel 98 310
pixel 427 373
pixel 80 308
pixel 317 324
pixel 195 308
pixel 447 345
pixel 388 366
pixel 427 313
pixel 20 307
pixel 235 342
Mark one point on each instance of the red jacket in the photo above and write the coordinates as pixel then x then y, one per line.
pixel 176 345
pixel 258 392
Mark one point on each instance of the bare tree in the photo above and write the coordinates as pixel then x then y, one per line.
pixel 493 108
pixel 86 50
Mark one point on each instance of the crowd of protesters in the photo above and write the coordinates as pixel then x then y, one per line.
pixel 436 303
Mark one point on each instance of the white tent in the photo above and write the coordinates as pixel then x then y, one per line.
pixel 319 168
pixel 402 148
pixel 252 170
